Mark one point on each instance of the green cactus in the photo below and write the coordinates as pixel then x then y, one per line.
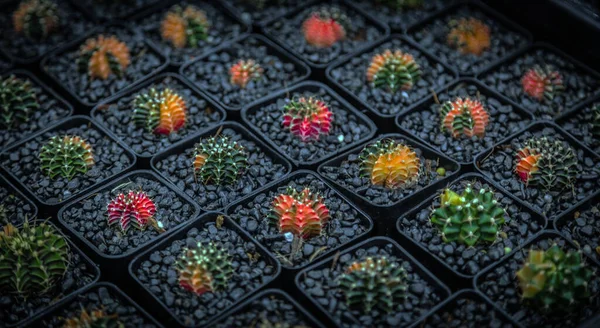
pixel 205 268
pixel 402 4
pixel 17 101
pixel 595 129
pixel 66 156
pixel 219 160
pixel 95 319
pixel 393 70
pixel 36 19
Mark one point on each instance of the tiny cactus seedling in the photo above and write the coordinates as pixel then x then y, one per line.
pixel 390 164
pixel 66 156
pixel 303 214
pixel 132 209
pixel 103 56
pixel 325 27
pixel 205 268
pixel 469 217
pixel 374 283
pixel 36 19
pixel 554 280
pixel 184 27
pixel 542 82
pixel 550 164
pixel 219 160
pixel 17 101
pixel 402 4
pixel 160 112
pixel 94 319
pixel 469 36
pixel 393 70
pixel 464 116
pixel 308 118
pixel 595 124
pixel 244 71
pixel 33 259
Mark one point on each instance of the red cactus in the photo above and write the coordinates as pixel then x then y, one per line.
pixel 245 71
pixel 527 159
pixel 542 82
pixel 308 118
pixel 324 27
pixel 134 208
pixel 303 214
pixel 464 116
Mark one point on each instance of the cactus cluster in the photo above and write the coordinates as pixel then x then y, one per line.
pixel 308 118
pixel 547 163
pixel 464 116
pixel 184 27
pixel 95 319
pixel 159 112
pixel 219 160
pixel 402 4
pixel 102 56
pixel 132 209
pixel 17 101
pixel 325 27
pixel 469 217
pixel 303 214
pixel 390 164
pixel 244 71
pixel 554 280
pixel 205 268
pixel 36 19
pixel 469 36
pixel 32 259
pixel 66 156
pixel 393 70
pixel 374 283
pixel 542 82
pixel 595 124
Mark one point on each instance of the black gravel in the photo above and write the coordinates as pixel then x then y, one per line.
pixel 288 31
pixel 579 84
pixel 399 20
pixel 320 284
pixel 4 64
pixel 579 125
pixel 51 110
pixel 211 73
pixel 89 219
pixel 425 122
pixel 17 208
pixel 251 14
pixel 117 117
pixel 345 224
pixel 583 227
pixel 352 76
pixel 432 35
pixel 502 287
pixel 499 166
pixel 261 170
pixel 144 61
pixel 519 227
pixel 114 10
pixel 157 273
pixel 24 164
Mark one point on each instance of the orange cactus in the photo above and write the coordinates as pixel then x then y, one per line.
pixel 161 112
pixel 303 214
pixel 390 164
pixel 464 116
pixel 103 56
pixel 469 36
pixel 184 27
pixel 527 160
pixel 36 19
pixel 325 27
pixel 244 71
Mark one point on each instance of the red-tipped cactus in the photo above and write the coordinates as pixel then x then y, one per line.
pixel 103 56
pixel 325 27
pixel 393 70
pixel 307 118
pixel 542 82
pixel 36 19
pixel 464 116
pixel 160 112
pixel 132 209
pixel 302 214
pixel 469 36
pixel 244 71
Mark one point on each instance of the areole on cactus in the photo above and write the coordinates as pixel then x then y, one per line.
pixel 469 36
pixel 94 319
pixel 464 116
pixel 393 70
pixel 325 27
pixel 204 268
pixel 542 82
pixel 244 71
pixel 390 164
pixel 134 208
pixel 36 19
pixel 184 27
pixel 102 56
pixel 66 156
pixel 219 160
pixel 159 112
pixel 307 117
pixel 303 214
pixel 17 101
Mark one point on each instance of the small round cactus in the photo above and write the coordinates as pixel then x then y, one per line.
pixel 469 36
pixel 325 27
pixel 36 19
pixel 390 164
pixel 374 283
pixel 132 209
pixel 66 156
pixel 554 280
pixel 219 160
pixel 184 27
pixel 402 4
pixel 159 112
pixel 469 217
pixel 95 319
pixel 393 70
pixel 303 214
pixel 308 118
pixel 17 101
pixel 464 116
pixel 542 82
pixel 103 56
pixel 244 71
pixel 595 124
pixel 205 268
pixel 547 163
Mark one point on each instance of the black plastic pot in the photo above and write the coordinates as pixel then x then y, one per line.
pixel 583 11
pixel 578 121
pixel 21 209
pixel 261 17
pixel 308 179
pixel 188 144
pixel 101 11
pixel 301 89
pixel 156 305
pixel 305 282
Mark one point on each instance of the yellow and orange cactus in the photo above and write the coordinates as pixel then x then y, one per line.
pixel 102 56
pixel 184 27
pixel 244 71
pixel 302 214
pixel 390 164
pixel 464 116
pixel 36 19
pixel 160 112
pixel 469 36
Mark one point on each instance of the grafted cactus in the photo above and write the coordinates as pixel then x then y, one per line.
pixel 469 36
pixel 390 164
pixel 103 56
pixel 94 319
pixel 308 118
pixel 304 214
pixel 219 160
pixel 393 70
pixel 325 27
pixel 244 71
pixel 184 27
pixel 17 101
pixel 464 116
pixel 132 209
pixel 160 112
pixel 205 268
pixel 542 82
pixel 36 19
pixel 66 156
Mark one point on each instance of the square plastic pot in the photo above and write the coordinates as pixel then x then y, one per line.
pixel 578 122
pixel 17 207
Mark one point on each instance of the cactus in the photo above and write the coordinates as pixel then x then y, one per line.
pixel 393 70
pixel 244 71
pixel 36 19
pixel 547 163
pixel 66 156
pixel 390 164
pixel 303 214
pixel 32 259
pixel 554 280
pixel 469 36
pixel 326 26
pixel 133 208
pixel 402 4
pixel 160 112
pixel 464 116
pixel 219 160
pixel 307 118
pixel 469 217
pixel 103 56
pixel 184 27
pixel 595 124
pixel 205 268
pixel 374 283
pixel 17 101
pixel 542 82
pixel 95 319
